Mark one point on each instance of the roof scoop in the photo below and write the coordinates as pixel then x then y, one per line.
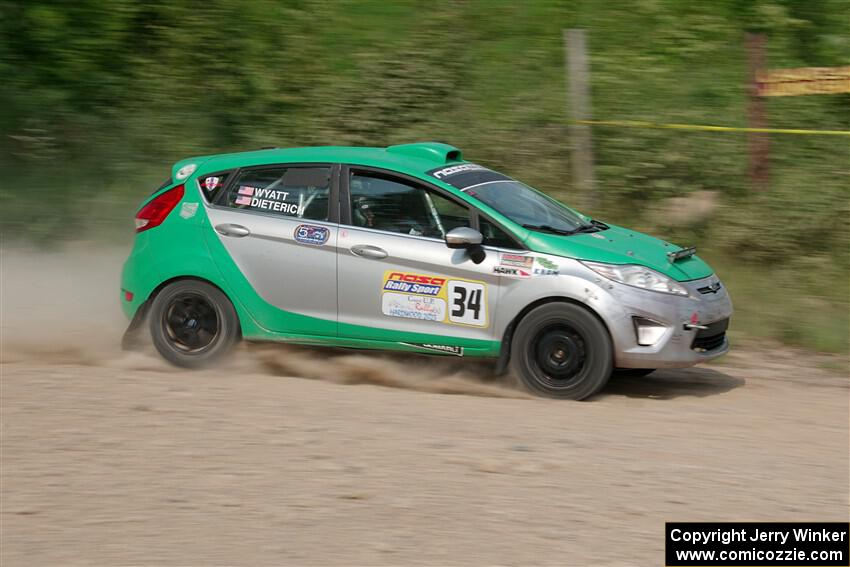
pixel 432 151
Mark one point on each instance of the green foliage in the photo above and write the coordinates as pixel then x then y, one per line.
pixel 99 99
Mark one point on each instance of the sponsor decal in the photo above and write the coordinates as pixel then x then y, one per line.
pixel 599 236
pixel 547 267
pixel 545 272
pixel 511 272
pixel 311 234
pixel 211 183
pixel 277 206
pixel 411 306
pixel 185 171
pixel 188 210
pixel 266 199
pixel 465 175
pixel 413 283
pixel 434 298
pixel 517 260
pixel 455 169
pixel 271 194
pixel 447 349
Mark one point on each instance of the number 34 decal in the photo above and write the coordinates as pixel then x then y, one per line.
pixel 468 303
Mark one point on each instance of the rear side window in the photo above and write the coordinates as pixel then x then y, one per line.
pixel 297 192
pixel 212 184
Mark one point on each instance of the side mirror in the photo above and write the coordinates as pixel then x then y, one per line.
pixel 468 238
pixel 463 237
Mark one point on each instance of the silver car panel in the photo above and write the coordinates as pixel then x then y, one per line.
pixel 288 274
pixel 369 297
pixel 616 304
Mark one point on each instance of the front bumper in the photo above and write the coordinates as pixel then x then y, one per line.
pixel 683 342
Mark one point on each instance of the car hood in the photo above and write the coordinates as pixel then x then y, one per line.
pixel 618 245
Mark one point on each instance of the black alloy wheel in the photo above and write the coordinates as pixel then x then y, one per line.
pixel 192 323
pixel 562 350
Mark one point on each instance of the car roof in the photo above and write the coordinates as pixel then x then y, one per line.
pixel 414 159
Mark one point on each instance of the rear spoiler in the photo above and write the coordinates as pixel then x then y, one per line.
pixel 681 254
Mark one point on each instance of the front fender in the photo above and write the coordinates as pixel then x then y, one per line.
pixel 571 281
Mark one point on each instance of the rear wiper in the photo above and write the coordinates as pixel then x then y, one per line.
pixel 551 229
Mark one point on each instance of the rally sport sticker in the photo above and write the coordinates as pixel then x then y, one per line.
pixel 434 298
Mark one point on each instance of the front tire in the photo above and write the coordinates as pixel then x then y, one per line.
pixel 193 324
pixel 561 350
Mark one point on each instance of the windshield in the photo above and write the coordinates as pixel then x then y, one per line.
pixel 527 207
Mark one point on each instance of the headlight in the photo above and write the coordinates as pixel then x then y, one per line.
pixel 637 276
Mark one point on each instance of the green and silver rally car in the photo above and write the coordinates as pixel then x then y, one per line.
pixel 410 248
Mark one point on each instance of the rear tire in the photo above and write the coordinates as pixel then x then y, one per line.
pixel 561 350
pixel 193 324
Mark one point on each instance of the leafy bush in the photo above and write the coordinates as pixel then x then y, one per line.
pixel 99 99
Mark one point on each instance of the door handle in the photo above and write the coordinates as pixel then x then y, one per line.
pixel 367 251
pixel 228 229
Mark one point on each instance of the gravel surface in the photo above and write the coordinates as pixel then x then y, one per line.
pixel 306 457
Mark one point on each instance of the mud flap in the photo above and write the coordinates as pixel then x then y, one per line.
pixel 505 351
pixel 132 339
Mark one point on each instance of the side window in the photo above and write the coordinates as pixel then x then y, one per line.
pixel 396 205
pixel 298 192
pixel 495 236
pixel 212 184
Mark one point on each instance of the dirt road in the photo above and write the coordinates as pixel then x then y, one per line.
pixel 111 458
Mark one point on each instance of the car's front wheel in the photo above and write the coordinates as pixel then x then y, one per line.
pixel 193 323
pixel 561 350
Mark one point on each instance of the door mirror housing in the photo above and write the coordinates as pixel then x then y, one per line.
pixel 463 237
pixel 469 239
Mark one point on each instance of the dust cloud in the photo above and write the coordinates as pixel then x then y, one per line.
pixel 63 307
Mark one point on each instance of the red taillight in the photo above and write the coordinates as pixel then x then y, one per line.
pixel 155 212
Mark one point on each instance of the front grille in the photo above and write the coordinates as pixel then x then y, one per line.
pixel 713 288
pixel 712 337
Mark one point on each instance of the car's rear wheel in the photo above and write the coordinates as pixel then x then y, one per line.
pixel 193 323
pixel 561 350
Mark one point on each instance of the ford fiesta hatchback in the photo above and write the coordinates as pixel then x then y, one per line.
pixel 410 248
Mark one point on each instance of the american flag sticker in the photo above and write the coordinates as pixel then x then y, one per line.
pixel 243 200
pixel 245 190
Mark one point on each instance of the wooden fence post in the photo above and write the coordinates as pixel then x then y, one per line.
pixel 759 142
pixel 578 82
